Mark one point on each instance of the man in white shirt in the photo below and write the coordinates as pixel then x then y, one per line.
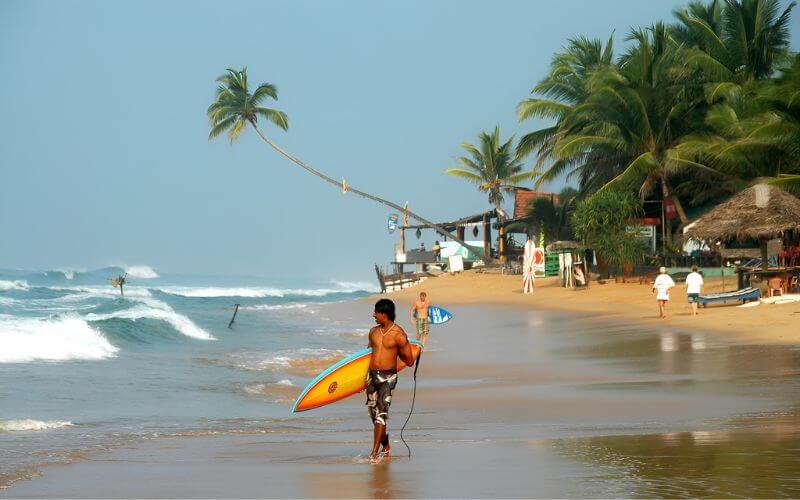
pixel 694 286
pixel 663 284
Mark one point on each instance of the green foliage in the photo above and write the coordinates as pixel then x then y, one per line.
pixel 492 165
pixel 691 107
pixel 235 106
pixel 554 218
pixel 602 222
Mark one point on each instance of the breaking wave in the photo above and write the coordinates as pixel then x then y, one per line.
pixel 26 339
pixel 262 292
pixel 141 272
pixel 32 425
pixel 155 309
pixel 6 285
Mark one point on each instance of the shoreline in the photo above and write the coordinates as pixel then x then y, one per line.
pixel 469 410
pixel 562 397
pixel 762 324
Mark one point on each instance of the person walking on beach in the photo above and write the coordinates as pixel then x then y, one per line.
pixel 663 284
pixel 437 251
pixel 694 286
pixel 388 342
pixel 420 307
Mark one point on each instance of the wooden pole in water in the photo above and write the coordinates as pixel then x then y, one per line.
pixel 233 318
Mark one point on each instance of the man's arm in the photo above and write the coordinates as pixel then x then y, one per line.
pixel 413 307
pixel 404 348
pixel 369 337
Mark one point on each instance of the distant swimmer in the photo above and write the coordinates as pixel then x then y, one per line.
pixel 388 342
pixel 419 314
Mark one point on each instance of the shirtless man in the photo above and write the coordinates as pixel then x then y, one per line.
pixel 423 326
pixel 388 342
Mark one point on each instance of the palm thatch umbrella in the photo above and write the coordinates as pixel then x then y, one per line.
pixel 563 245
pixel 761 212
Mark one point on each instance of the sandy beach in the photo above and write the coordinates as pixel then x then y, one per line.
pixel 766 323
pixel 511 402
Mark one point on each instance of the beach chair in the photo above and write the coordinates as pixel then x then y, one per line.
pixel 745 294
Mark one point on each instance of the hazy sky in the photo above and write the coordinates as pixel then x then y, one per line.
pixel 104 157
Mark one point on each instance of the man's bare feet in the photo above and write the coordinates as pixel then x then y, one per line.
pixel 387 450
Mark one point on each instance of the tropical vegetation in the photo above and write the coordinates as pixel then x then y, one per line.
pixel 235 107
pixel 492 165
pixel 690 111
pixel 603 223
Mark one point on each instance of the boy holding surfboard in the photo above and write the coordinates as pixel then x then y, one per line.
pixel 388 342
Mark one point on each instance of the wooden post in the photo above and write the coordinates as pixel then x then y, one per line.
pixel 487 238
pixel 381 281
pixel 501 246
pixel 233 318
pixel 764 261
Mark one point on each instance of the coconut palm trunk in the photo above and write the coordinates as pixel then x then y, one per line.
pixel 348 189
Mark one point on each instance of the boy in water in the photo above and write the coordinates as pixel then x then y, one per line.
pixel 388 342
pixel 423 326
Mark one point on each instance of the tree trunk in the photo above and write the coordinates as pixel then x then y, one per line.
pixel 368 196
pixel 602 265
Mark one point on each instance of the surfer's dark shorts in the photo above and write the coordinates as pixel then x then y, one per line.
pixel 380 384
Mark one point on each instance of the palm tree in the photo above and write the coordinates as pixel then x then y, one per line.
pixel 637 115
pixel 235 107
pixel 755 136
pixel 566 86
pixel 734 42
pixel 493 166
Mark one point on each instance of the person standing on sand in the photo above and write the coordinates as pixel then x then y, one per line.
pixel 663 284
pixel 421 318
pixel 388 342
pixel 694 286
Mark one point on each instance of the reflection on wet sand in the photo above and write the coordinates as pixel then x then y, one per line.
pixel 367 481
pixel 756 457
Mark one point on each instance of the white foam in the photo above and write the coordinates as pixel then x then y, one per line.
pixel 90 292
pixel 261 292
pixel 32 425
pixel 275 307
pixel 213 291
pixel 285 382
pixel 280 359
pixel 155 309
pixel 6 285
pixel 26 339
pixel 141 272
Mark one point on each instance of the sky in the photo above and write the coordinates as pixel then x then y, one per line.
pixel 104 156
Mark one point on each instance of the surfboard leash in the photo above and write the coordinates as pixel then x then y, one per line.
pixel 413 398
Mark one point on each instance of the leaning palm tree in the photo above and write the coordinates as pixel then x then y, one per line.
pixel 494 166
pixel 235 107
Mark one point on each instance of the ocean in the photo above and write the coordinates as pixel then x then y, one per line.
pixel 83 369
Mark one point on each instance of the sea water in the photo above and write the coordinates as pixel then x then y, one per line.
pixel 83 369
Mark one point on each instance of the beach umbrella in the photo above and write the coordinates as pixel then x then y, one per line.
pixel 527 267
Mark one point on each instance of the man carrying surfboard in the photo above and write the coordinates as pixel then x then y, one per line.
pixel 419 314
pixel 388 342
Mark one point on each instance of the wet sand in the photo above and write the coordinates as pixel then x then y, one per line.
pixel 510 403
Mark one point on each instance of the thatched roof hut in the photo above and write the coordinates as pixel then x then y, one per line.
pixel 761 212
pixel 563 245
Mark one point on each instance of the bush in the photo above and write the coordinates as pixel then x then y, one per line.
pixel 603 223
